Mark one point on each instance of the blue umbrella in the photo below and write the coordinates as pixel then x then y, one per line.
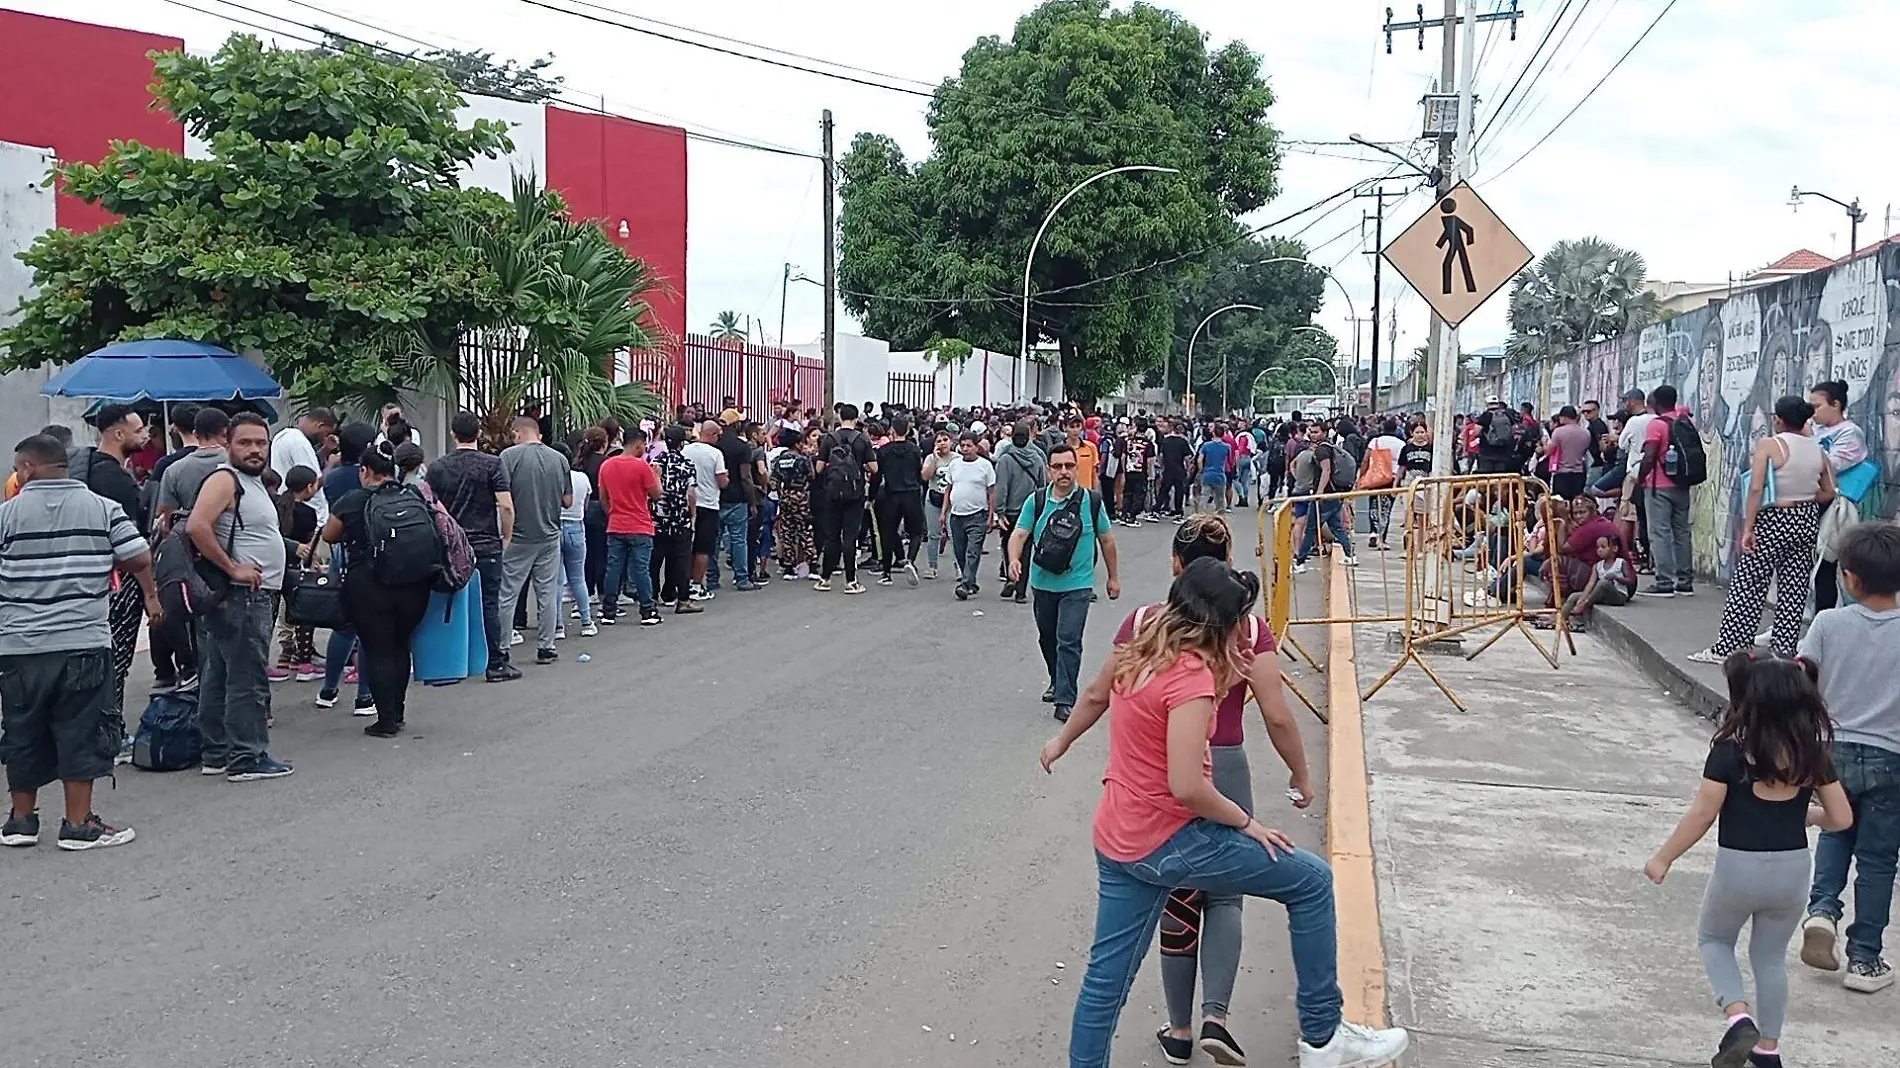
pixel 163 371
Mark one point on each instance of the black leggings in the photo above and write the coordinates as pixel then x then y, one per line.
pixel 1134 495
pixel 843 520
pixel 674 554
pixel 385 618
pixel 907 509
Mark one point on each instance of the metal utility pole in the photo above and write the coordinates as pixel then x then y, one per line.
pixel 831 271
pixel 784 289
pixel 1454 144
pixel 1378 246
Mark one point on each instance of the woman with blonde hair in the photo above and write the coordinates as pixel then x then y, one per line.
pixel 1162 824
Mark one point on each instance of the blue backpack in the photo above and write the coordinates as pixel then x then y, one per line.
pixel 168 738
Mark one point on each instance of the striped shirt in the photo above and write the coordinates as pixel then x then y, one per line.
pixel 58 544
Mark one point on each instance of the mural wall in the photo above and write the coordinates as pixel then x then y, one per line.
pixel 1731 360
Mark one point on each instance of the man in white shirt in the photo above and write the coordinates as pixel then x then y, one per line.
pixel 709 477
pixel 296 446
pixel 969 511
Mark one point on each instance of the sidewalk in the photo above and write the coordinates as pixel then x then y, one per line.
pixel 1519 931
pixel 1659 633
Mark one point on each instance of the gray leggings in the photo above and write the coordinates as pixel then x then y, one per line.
pixel 1771 889
pixel 1215 944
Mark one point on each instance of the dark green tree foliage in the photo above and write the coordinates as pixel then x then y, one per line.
pixel 1250 341
pixel 317 231
pixel 476 72
pixel 1077 89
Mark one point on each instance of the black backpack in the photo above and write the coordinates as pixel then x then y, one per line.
pixel 168 737
pixel 190 586
pixel 791 471
pixel 1685 463
pixel 844 476
pixel 404 546
pixel 1345 470
pixel 1502 432
pixel 1062 534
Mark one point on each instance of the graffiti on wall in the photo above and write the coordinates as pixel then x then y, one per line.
pixel 1731 360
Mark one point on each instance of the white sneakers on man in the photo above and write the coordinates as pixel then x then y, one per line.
pixel 1356 1046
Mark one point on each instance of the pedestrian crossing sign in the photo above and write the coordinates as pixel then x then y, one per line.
pixel 1457 254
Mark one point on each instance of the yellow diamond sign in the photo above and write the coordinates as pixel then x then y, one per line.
pixel 1458 254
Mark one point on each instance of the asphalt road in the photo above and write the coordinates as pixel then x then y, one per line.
pixel 799 829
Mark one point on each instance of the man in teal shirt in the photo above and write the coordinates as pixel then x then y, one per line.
pixel 1062 597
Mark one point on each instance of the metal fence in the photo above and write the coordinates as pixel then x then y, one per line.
pixel 483 359
pixel 705 371
pixel 912 391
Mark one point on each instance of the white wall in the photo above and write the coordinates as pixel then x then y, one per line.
pixel 863 369
pixel 527 128
pixel 26 212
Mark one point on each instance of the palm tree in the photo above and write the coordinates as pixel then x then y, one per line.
pixel 567 304
pixel 726 325
pixel 1580 292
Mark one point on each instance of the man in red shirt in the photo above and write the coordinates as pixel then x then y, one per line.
pixel 1666 500
pixel 628 486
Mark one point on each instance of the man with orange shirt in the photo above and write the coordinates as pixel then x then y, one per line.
pixel 628 487
pixel 1088 457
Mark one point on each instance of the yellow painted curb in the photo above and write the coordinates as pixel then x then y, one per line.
pixel 1349 818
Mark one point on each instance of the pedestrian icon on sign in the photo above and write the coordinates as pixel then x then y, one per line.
pixel 1456 241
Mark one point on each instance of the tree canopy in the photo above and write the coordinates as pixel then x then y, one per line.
pixel 472 71
pixel 1243 342
pixel 316 232
pixel 935 249
pixel 1579 292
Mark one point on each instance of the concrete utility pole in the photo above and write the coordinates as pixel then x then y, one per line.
pixel 1453 145
pixel 1378 247
pixel 831 271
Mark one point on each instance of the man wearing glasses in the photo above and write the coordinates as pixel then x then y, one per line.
pixel 1062 569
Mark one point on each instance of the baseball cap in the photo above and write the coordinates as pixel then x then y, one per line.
pixel 730 416
pixel 1494 399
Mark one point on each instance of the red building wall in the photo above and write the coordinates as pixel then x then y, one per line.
pixel 615 170
pixel 74 87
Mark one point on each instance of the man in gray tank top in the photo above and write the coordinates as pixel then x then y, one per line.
pixel 234 526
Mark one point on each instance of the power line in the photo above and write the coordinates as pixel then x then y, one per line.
pixel 1535 105
pixel 1517 105
pixel 1498 106
pixel 563 96
pixel 1593 89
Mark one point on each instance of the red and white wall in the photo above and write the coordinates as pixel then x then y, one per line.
pixel 71 88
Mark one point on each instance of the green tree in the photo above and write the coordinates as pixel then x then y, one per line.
pixel 935 248
pixel 317 232
pixel 565 304
pixel 1243 342
pixel 726 325
pixel 1579 292
pixel 476 72
pixel 1289 374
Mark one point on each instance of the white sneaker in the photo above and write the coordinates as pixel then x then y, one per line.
pixel 1356 1046
pixel 588 630
pixel 1477 599
pixel 560 634
pixel 1820 943
pixel 1350 560
pixel 1301 569
pixel 515 639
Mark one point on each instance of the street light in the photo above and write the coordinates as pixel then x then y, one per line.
pixel 1188 385
pixel 1022 362
pixel 1855 215
pixel 1330 370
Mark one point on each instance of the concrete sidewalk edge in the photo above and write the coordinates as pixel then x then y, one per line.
pixel 1362 978
pixel 1701 698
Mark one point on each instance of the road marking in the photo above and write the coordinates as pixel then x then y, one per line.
pixel 1349 819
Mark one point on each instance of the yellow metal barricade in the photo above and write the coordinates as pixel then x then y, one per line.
pixel 1455 536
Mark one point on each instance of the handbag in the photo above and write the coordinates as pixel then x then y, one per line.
pixel 314 598
pixel 1855 482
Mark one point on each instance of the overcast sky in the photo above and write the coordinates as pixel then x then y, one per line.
pixel 1686 154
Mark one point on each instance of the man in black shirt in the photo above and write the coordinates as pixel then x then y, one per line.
pixel 838 496
pixel 473 486
pixel 1499 439
pixel 900 465
pixel 737 500
pixel 122 432
pixel 1174 450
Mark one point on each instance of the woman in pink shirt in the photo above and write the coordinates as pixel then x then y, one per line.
pixel 1162 824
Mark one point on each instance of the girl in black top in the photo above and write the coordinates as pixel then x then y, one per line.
pixel 384 617
pixel 1768 778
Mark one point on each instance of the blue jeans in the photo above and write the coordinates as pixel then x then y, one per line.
pixel 966 544
pixel 733 520
pixel 1330 514
pixel 768 516
pixel 629 559
pixel 574 565
pixel 233 692
pixel 1060 618
pixel 1219 860
pixel 1871 777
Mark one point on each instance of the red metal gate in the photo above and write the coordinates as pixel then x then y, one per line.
pixel 706 371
